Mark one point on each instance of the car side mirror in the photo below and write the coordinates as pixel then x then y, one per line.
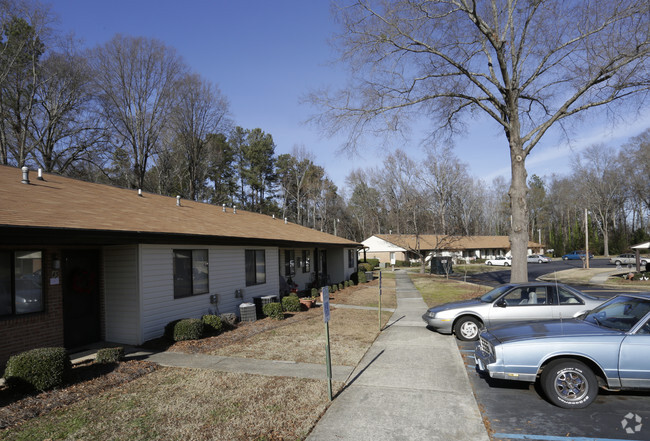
pixel 501 303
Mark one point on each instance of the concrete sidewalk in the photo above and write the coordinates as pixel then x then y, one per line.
pixel 411 385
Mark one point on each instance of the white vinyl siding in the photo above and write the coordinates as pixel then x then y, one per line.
pixel 121 300
pixel 226 275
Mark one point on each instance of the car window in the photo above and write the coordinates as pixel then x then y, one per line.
pixel 530 295
pixel 490 296
pixel 566 297
pixel 620 313
pixel 645 329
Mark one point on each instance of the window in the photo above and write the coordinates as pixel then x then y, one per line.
pixel 306 263
pixel 567 297
pixel 351 259
pixel 21 282
pixel 255 267
pixel 190 272
pixel 289 263
pixel 527 296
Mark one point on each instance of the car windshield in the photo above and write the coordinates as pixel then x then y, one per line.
pixel 491 296
pixel 620 313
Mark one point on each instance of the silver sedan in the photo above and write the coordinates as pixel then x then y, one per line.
pixel 507 303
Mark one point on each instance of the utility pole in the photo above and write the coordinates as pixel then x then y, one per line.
pixel 586 240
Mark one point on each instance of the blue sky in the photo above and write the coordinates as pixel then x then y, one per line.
pixel 264 55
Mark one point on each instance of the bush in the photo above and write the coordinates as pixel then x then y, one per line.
pixel 362 277
pixel 273 310
pixel 212 324
pixel 340 287
pixel 373 262
pixel 291 303
pixel 314 292
pixel 188 329
pixel 169 329
pixel 110 355
pixel 39 369
pixel 365 267
pixel 229 320
pixel 333 288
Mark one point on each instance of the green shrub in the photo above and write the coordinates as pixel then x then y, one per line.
pixel 373 262
pixel 212 324
pixel 314 292
pixel 188 329
pixel 340 287
pixel 273 310
pixel 333 288
pixel 291 303
pixel 365 267
pixel 110 355
pixel 39 369
pixel 362 277
pixel 229 320
pixel 169 329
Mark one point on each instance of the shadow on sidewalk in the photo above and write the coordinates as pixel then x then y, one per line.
pixel 349 383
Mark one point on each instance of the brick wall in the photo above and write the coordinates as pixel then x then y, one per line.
pixel 37 330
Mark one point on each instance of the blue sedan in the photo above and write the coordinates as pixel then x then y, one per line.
pixel 570 359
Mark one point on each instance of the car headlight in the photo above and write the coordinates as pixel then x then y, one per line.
pixel 431 314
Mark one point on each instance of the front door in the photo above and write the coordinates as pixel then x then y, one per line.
pixel 80 298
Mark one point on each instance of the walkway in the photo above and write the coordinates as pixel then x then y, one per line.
pixel 410 385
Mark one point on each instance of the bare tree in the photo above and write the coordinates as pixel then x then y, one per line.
pixel 528 65
pixel 200 110
pixel 135 78
pixel 63 126
pixel 601 184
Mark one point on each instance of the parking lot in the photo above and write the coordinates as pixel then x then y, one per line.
pixel 515 410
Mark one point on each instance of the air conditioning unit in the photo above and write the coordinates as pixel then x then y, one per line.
pixel 247 312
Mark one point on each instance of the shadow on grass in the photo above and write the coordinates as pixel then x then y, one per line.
pixel 80 373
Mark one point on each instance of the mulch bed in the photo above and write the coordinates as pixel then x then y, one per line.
pixel 87 379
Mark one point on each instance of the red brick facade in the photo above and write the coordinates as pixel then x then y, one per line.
pixel 41 329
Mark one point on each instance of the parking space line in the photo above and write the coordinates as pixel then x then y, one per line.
pixel 550 438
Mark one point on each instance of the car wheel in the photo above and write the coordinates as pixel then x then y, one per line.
pixel 488 263
pixel 467 328
pixel 565 258
pixel 569 384
pixel 506 264
pixel 618 262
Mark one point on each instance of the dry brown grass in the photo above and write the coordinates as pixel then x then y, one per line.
pixel 368 294
pixel 351 333
pixel 189 404
pixel 193 404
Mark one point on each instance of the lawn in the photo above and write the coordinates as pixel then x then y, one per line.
pixel 437 290
pixel 193 404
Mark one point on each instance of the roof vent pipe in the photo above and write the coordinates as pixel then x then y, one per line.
pixel 40 174
pixel 223 207
pixel 285 220
pixel 178 201
pixel 140 192
pixel 274 216
pixel 25 175
pixel 234 209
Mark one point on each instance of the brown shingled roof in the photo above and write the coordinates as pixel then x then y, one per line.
pixel 63 203
pixel 441 242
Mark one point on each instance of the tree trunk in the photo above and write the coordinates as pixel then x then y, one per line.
pixel 519 210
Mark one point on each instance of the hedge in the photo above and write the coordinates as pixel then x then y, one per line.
pixel 110 355
pixel 39 369
pixel 212 324
pixel 291 303
pixel 273 310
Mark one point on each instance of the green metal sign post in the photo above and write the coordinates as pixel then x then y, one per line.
pixel 379 301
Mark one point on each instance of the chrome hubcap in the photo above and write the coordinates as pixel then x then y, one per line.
pixel 469 330
pixel 571 385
